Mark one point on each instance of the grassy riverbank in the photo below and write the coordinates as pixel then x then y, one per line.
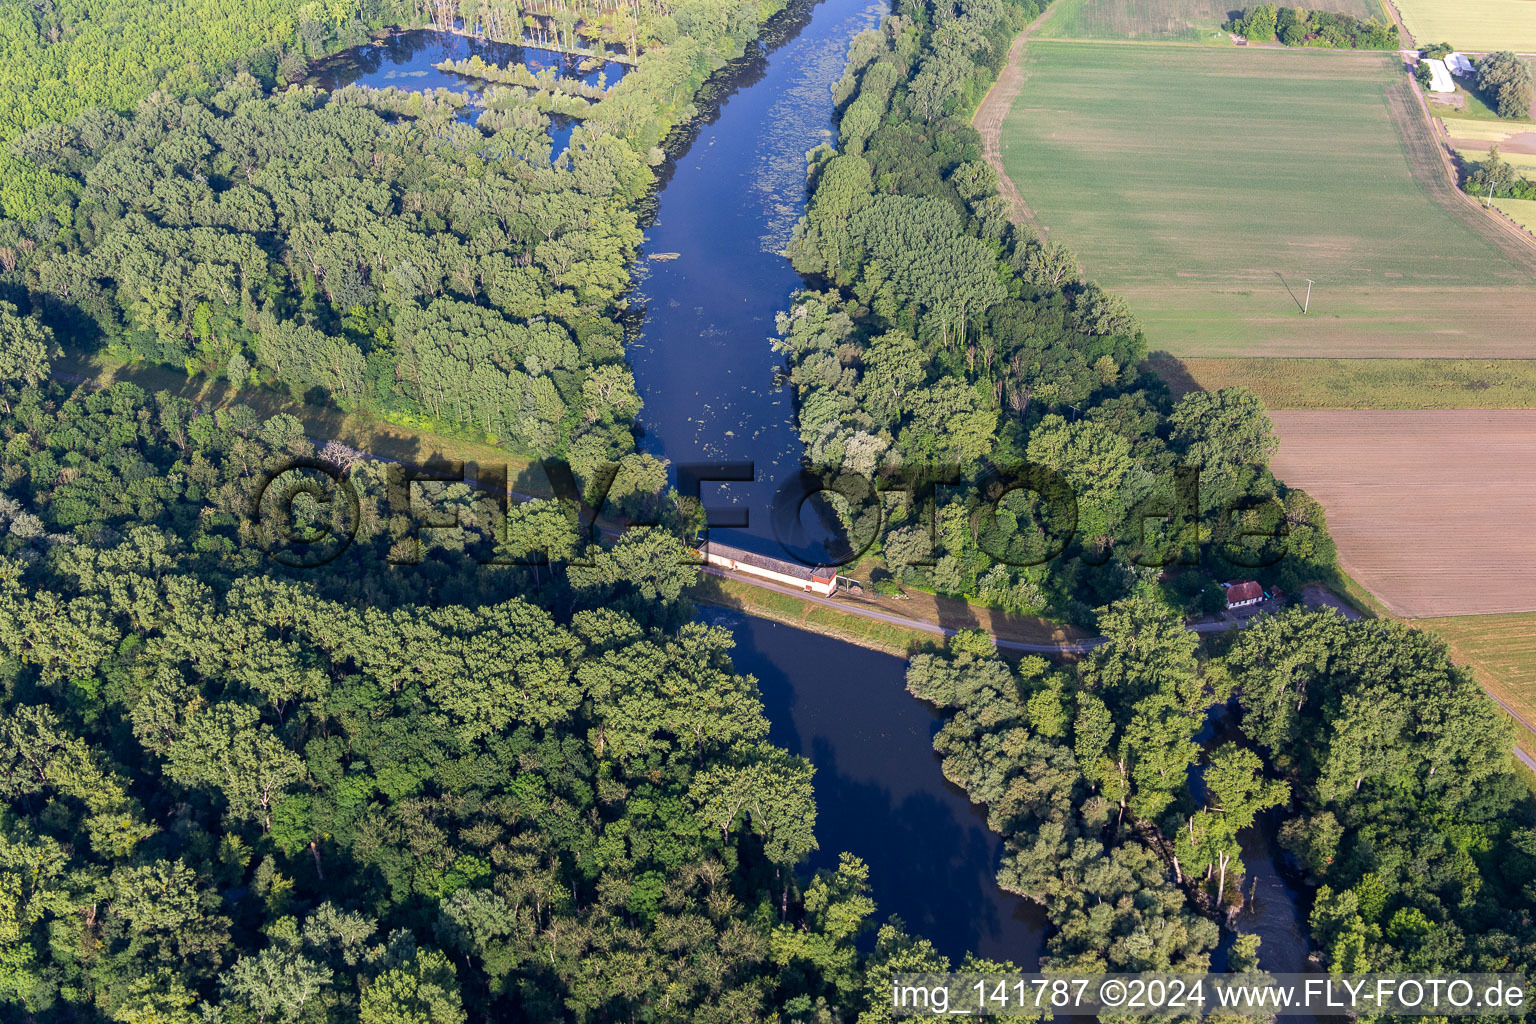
pixel 854 629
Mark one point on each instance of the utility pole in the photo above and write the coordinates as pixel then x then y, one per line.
pixel 1308 304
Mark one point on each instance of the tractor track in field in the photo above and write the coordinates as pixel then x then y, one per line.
pixel 992 112
pixel 1515 241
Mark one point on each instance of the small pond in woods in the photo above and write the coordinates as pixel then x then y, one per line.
pixel 408 60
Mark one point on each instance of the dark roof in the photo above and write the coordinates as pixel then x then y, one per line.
pixel 1244 590
pixel 778 565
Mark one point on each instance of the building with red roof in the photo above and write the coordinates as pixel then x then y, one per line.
pixel 1242 593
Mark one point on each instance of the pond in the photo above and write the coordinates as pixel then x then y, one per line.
pixel 407 60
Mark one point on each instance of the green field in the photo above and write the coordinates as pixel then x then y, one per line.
pixel 1477 25
pixel 1208 185
pixel 1489 130
pixel 1525 163
pixel 1181 20
pixel 1521 211
pixel 1501 649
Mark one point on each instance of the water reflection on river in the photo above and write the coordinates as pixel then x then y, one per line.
pixel 704 361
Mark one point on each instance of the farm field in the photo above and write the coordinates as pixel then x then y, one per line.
pixel 1431 510
pixel 1363 383
pixel 1479 25
pixel 1500 649
pixel 1180 20
pixel 1208 185
pixel 1517 136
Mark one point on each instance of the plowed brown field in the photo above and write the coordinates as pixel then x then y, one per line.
pixel 1432 510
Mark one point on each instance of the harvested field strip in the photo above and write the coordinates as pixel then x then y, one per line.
pixel 1501 649
pixel 1326 169
pixel 1431 510
pixel 1523 162
pixel 1362 383
pixel 1504 132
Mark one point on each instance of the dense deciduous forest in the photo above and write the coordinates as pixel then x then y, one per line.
pixel 369 249
pixel 946 336
pixel 416 787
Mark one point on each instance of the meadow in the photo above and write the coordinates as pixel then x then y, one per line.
pixel 1482 26
pixel 1525 163
pixel 1208 185
pixel 1521 211
pixel 1489 131
pixel 1179 20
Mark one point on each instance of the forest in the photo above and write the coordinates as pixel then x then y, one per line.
pixel 369 249
pixel 497 770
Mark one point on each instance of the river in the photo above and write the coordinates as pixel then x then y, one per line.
pixel 714 392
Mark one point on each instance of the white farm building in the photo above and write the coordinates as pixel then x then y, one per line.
pixel 1459 64
pixel 1439 76
pixel 816 579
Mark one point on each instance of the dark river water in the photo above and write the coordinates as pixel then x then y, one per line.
pixel 879 792
pixel 714 393
pixel 704 363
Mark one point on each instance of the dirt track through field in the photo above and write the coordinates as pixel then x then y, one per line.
pixel 1421 136
pixel 993 111
pixel 1432 511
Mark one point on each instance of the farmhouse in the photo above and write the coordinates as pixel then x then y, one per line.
pixel 1242 593
pixel 1459 65
pixel 816 579
pixel 1439 76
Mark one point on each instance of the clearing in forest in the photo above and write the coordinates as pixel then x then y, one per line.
pixel 1431 510
pixel 1207 186
pixel 1476 25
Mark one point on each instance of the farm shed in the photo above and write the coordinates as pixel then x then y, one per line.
pixel 1459 64
pixel 1440 76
